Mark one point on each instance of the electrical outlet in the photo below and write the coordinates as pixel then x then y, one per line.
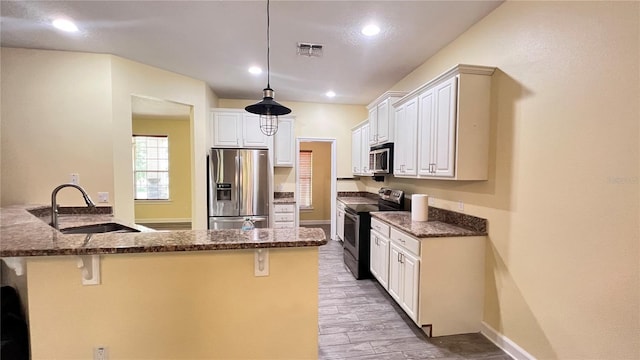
pixel 75 178
pixel 100 353
pixel 460 205
pixel 103 197
pixel 432 201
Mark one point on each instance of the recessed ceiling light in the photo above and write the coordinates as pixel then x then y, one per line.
pixel 370 30
pixel 64 25
pixel 255 70
pixel 330 94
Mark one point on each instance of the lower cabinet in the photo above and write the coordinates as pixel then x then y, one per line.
pixel 379 255
pixel 284 216
pixel 340 220
pixel 437 281
pixel 404 276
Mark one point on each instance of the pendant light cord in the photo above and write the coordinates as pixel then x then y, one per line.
pixel 268 49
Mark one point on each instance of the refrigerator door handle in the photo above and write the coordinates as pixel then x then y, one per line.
pixel 239 181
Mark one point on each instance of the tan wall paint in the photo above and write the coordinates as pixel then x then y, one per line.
pixel 563 197
pixel 198 305
pixel 321 181
pixel 56 120
pixel 132 78
pixel 51 129
pixel 179 134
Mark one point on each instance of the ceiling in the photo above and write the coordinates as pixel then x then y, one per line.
pixel 217 41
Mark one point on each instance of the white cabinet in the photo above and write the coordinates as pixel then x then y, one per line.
pixel 381 119
pixel 452 123
pixel 284 143
pixel 404 276
pixel 364 150
pixel 405 147
pixel 379 252
pixel 284 216
pixel 360 149
pixel 438 282
pixel 438 129
pixel 237 128
pixel 356 148
pixel 340 220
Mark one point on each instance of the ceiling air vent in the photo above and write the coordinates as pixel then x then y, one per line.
pixel 310 50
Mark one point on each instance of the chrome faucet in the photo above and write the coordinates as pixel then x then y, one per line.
pixel 54 205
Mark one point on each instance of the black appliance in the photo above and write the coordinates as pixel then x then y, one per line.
pixel 357 227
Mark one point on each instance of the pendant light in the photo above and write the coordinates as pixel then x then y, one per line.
pixel 268 109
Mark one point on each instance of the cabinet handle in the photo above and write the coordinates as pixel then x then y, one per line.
pixel 399 254
pixel 402 258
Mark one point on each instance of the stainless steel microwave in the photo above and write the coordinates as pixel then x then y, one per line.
pixel 381 159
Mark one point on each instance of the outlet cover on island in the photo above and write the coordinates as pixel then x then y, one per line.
pixel 103 197
pixel 74 178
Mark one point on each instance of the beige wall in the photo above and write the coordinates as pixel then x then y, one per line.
pixel 67 112
pixel 197 305
pixel 132 78
pixel 56 120
pixel 563 196
pixel 319 121
pixel 321 181
pixel 179 134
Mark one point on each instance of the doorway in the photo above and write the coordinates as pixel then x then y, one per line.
pixel 320 209
pixel 162 163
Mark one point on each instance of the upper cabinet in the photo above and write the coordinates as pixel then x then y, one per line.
pixel 443 126
pixel 381 118
pixel 236 128
pixel 284 143
pixel 360 149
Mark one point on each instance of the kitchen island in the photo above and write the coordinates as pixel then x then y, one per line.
pixel 166 295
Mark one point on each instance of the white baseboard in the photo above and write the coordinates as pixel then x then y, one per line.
pixel 163 220
pixel 507 345
pixel 315 222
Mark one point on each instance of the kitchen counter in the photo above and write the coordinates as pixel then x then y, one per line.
pixel 284 200
pixel 353 200
pixel 24 234
pixel 425 229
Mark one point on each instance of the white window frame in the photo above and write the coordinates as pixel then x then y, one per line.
pixel 136 171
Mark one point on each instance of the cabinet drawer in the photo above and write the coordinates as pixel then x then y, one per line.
pixel 380 227
pixel 283 208
pixel 406 241
pixel 283 217
pixel 283 225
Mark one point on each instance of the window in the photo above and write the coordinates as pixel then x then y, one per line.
pixel 151 167
pixel 306 172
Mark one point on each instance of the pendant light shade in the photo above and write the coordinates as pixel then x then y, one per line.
pixel 268 109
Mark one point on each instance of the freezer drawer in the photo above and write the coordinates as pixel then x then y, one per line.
pixel 235 222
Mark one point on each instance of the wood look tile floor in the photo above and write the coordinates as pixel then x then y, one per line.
pixel 359 320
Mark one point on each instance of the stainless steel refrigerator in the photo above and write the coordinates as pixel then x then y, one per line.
pixel 238 187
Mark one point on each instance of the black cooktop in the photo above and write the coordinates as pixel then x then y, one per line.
pixel 361 208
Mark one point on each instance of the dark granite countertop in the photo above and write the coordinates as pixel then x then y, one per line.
pixel 424 229
pixel 286 200
pixel 24 234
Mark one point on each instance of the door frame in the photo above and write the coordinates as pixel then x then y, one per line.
pixel 334 186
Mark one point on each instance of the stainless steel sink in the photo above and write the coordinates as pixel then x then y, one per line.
pixel 99 228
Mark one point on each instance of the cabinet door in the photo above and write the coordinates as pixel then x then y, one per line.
pixel 340 221
pixel 373 126
pixel 399 149
pixel 227 129
pixel 355 150
pixel 374 255
pixel 383 269
pixel 284 144
pixel 425 128
pixel 444 129
pixel 409 287
pixel 384 131
pixel 395 272
pixel 251 134
pixel 410 137
pixel 364 150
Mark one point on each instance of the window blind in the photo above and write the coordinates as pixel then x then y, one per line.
pixel 306 173
pixel 151 167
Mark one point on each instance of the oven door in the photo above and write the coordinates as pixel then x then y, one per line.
pixel 351 234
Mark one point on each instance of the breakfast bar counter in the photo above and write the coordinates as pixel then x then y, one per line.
pixel 25 234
